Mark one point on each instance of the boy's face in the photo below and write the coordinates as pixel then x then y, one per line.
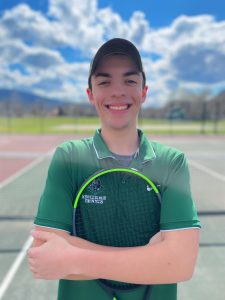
pixel 117 92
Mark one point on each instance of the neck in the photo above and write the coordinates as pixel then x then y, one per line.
pixel 122 142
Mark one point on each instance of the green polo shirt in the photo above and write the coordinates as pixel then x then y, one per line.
pixel 75 161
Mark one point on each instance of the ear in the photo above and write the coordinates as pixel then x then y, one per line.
pixel 90 95
pixel 144 94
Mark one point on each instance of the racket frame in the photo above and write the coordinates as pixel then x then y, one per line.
pixel 86 183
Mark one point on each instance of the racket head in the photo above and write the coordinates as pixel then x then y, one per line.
pixel 117 207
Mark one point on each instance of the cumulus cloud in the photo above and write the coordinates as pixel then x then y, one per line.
pixel 31 27
pixel 78 19
pixel 18 52
pixel 198 54
pixel 11 51
pixel 42 58
pixel 200 63
pixel 190 52
pixel 138 28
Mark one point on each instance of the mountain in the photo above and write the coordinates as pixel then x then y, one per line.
pixel 20 103
pixel 26 98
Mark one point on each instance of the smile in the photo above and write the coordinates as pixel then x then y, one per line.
pixel 119 107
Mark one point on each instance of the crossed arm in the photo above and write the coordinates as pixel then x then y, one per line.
pixel 169 257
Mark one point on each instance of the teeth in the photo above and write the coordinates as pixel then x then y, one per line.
pixel 122 107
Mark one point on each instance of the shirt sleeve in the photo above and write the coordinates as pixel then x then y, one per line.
pixel 56 203
pixel 178 209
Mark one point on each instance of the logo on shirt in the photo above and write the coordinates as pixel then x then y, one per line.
pixel 92 199
pixel 94 188
pixel 149 188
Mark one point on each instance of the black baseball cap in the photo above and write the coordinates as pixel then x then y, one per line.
pixel 116 46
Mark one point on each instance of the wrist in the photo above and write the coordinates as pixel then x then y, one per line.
pixel 77 260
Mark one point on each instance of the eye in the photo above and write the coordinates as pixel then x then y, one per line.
pixel 102 83
pixel 131 82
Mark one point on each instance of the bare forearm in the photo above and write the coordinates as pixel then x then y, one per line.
pixel 159 263
pixel 75 241
pixel 170 260
pixel 81 243
pixel 133 265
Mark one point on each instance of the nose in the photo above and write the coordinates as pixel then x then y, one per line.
pixel 118 90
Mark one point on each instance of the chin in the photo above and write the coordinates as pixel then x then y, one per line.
pixel 119 126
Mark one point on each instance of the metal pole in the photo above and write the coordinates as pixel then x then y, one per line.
pixel 217 117
pixel 204 115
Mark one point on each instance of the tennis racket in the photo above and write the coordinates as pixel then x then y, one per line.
pixel 117 207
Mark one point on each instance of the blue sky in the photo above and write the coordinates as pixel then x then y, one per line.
pixel 158 12
pixel 162 13
pixel 46 45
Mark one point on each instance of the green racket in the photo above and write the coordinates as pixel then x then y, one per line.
pixel 117 207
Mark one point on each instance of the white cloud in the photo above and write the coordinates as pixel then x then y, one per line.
pixel 17 52
pixel 112 23
pixel 138 28
pixel 40 58
pixel 200 63
pixel 11 51
pixel 25 24
pixel 73 9
pixel 190 52
pixel 79 23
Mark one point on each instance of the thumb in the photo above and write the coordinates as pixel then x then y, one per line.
pixel 42 235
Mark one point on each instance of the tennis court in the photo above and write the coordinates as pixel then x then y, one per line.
pixel 24 161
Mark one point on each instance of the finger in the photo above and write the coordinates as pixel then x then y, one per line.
pixel 33 270
pixel 42 235
pixel 32 253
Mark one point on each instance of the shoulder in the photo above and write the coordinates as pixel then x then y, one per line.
pixel 168 159
pixel 72 145
pixel 165 152
pixel 75 147
pixel 170 166
pixel 73 150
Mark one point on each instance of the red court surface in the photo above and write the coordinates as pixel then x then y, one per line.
pixel 18 151
pixel 11 166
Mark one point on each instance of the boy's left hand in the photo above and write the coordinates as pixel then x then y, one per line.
pixel 51 260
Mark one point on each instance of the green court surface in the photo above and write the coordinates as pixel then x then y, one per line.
pixel 19 199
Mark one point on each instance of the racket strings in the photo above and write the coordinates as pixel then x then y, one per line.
pixel 119 210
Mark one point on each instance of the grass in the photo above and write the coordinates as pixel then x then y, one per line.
pixel 62 125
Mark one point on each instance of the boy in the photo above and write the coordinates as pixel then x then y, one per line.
pixel 117 89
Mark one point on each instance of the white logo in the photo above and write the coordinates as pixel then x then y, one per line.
pixel 149 188
pixel 93 199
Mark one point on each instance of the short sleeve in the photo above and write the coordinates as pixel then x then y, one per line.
pixel 178 209
pixel 56 203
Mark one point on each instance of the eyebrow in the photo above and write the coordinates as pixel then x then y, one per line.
pixel 129 73
pixel 102 75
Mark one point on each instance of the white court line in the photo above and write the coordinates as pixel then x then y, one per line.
pixel 25 169
pixel 207 170
pixel 15 266
pixel 19 259
pixel 13 154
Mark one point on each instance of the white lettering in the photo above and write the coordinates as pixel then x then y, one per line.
pixel 93 199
